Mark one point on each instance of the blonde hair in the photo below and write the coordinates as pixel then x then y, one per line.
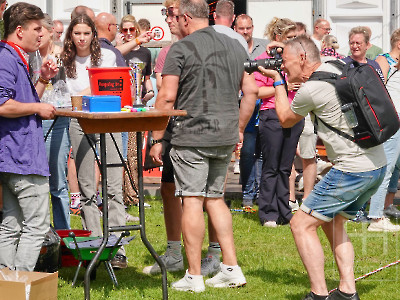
pixel 47 22
pixel 131 19
pixel 279 27
pixel 395 38
pixel 330 41
pixel 360 30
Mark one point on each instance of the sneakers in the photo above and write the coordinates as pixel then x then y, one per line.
pixel 75 211
pixel 311 296
pixel 210 265
pixel 227 277
pixel 294 205
pixel 271 224
pixel 192 283
pixel 392 212
pixel 119 262
pixel 171 263
pixel 338 295
pixel 383 225
pixel 130 218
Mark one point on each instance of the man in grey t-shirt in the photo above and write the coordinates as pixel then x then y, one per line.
pixel 203 74
pixel 355 176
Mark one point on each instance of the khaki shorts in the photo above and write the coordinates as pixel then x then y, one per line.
pixel 200 171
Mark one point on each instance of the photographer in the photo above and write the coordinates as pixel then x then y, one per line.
pixel 278 145
pixel 355 176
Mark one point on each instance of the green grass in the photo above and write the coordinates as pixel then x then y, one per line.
pixel 268 258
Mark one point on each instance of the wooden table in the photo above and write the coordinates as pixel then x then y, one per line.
pixel 103 123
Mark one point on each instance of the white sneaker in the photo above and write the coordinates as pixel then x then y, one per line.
pixel 270 224
pixel 171 263
pixel 294 205
pixel 383 225
pixel 210 265
pixel 236 168
pixel 130 218
pixel 192 283
pixel 227 277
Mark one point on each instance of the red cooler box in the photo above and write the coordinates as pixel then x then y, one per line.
pixel 111 81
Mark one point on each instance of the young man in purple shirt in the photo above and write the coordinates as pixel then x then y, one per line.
pixel 23 161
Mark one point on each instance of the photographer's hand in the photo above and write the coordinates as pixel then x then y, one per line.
pixel 275 44
pixel 274 74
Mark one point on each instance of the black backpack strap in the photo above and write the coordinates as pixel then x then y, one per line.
pixel 324 76
pixel 339 132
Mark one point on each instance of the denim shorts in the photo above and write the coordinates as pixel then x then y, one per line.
pixel 200 171
pixel 342 193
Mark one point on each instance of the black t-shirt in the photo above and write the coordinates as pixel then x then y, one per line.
pixel 141 55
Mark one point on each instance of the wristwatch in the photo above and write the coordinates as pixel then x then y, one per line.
pixel 153 142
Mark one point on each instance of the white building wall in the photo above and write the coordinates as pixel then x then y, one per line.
pixel 380 15
pixel 262 13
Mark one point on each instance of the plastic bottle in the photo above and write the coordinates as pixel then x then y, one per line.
pixel 350 115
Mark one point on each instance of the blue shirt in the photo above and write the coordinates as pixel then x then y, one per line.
pixel 22 148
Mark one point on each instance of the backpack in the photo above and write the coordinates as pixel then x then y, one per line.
pixel 363 95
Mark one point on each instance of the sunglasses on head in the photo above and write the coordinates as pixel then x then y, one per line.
pixel 126 30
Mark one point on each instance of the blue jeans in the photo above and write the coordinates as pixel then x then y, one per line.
pixel 26 220
pixel 394 180
pixel 342 193
pixel 57 148
pixel 250 167
pixel 392 152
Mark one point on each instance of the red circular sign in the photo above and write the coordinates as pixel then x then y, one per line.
pixel 158 33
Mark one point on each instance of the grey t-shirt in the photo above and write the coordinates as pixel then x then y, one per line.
pixel 320 98
pixel 210 69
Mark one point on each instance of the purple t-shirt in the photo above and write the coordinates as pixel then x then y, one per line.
pixel 22 148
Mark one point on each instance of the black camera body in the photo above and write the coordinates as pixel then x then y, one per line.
pixel 268 63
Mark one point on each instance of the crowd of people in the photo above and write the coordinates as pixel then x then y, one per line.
pixel 271 119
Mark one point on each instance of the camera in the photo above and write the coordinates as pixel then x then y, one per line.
pixel 268 63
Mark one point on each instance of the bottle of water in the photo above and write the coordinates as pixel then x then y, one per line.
pixel 350 115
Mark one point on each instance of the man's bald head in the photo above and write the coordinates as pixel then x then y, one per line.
pixel 106 26
pixel 81 10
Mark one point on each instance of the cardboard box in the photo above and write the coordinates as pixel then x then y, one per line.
pixel 101 103
pixel 21 285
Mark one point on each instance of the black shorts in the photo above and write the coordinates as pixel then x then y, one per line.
pixel 168 169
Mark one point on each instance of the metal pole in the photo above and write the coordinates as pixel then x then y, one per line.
pixel 141 217
pixel 105 215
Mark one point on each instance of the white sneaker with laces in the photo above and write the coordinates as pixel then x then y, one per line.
pixel 210 265
pixel 228 276
pixel 294 205
pixel 271 224
pixel 191 283
pixel 171 263
pixel 383 225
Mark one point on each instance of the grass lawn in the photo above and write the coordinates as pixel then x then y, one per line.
pixel 268 258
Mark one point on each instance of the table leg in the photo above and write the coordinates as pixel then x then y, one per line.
pixel 141 216
pixel 92 264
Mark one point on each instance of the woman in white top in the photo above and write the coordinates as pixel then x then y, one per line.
pixel 82 50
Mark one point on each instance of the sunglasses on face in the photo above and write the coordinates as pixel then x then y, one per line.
pixel 126 30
